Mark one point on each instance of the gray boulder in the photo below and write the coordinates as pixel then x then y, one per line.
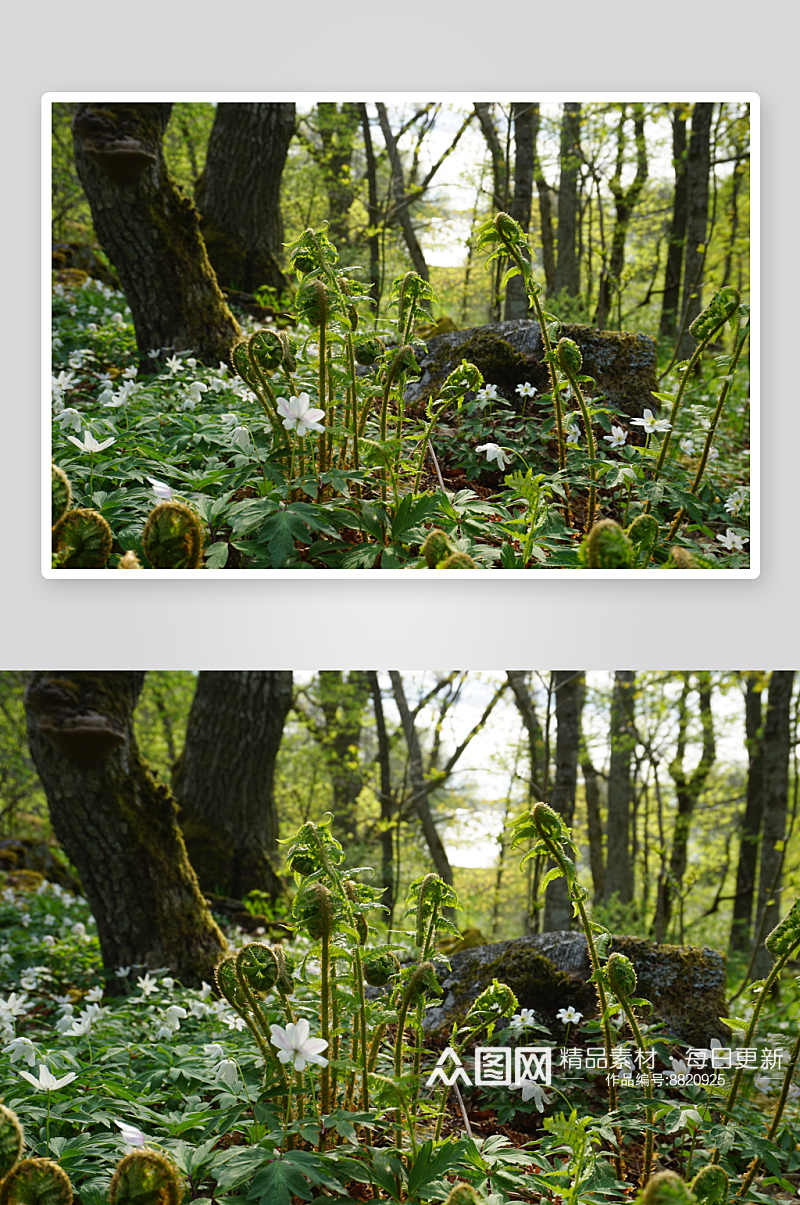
pixel 509 353
pixel 550 971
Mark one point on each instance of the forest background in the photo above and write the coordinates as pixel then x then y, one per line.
pixel 635 208
pixel 681 788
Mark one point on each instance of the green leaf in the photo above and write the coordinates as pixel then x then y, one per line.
pixel 217 555
pixel 411 512
pixel 277 1183
pixel 431 1163
pixel 669 398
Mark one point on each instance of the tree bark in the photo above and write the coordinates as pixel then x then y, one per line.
pixel 150 232
pixel 373 213
pixel 568 686
pixel 624 204
pixel 594 823
pixel 386 800
pixel 567 270
pixel 776 748
pixel 117 824
pixel 619 869
pixel 224 779
pixel 238 193
pixel 698 166
pixel 401 201
pixel 337 130
pixel 544 192
pixel 688 788
pixel 751 821
pixel 525 129
pixel 524 702
pixel 677 229
pixel 342 702
pixel 419 787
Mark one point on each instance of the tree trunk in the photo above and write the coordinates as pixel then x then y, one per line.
pixel 373 213
pixel 401 202
pixel 419 787
pixel 337 129
pixel 568 685
pixel 387 802
pixel 624 204
pixel 677 229
pixel 117 824
pixel 698 166
pixel 776 749
pixel 688 788
pixel 567 270
pixel 524 702
pixel 751 821
pixel 224 779
pixel 619 868
pixel 594 823
pixel 544 192
pixel 150 232
pixel 238 193
pixel 342 701
pixel 525 129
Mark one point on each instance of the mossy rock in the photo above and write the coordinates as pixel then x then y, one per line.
pixel 623 363
pixel 550 971
pixel 469 939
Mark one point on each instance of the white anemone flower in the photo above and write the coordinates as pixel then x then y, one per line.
pixel 494 452
pixel 687 446
pixel 161 490
pixel 522 1020
pixel 213 1050
pixel 650 423
pixel 89 443
pixel 228 1072
pixel 46 1081
pixel 241 437
pixel 617 437
pixel 22 1048
pixel 487 394
pixel 230 420
pixel 732 541
pixel 534 1092
pixel 736 501
pixel 296 1047
pixel 526 390
pixel 70 418
pixel 569 1016
pixel 299 415
pixel 130 1134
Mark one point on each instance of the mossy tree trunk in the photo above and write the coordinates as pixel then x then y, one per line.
pixel 388 818
pixel 150 232
pixel 238 193
pixel 776 750
pixel 751 820
pixel 594 822
pixel 698 167
pixel 336 724
pixel 117 824
pixel 688 788
pixel 624 204
pixel 569 690
pixel 224 779
pixel 619 868
pixel 567 267
pixel 526 124
pixel 677 230
pixel 420 789
pixel 544 193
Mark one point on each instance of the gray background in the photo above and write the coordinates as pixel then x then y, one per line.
pixel 385 46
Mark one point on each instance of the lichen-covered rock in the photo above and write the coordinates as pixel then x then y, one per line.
pixel 550 971
pixel 622 363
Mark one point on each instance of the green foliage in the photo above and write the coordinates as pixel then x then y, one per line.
pixel 62 494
